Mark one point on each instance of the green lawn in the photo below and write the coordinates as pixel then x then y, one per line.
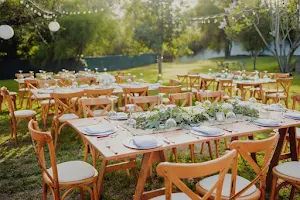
pixel 20 176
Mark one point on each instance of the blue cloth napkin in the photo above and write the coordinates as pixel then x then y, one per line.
pixel 267 122
pixel 99 129
pixel 207 130
pixel 145 142
pixel 293 115
pixel 84 86
pixel 275 107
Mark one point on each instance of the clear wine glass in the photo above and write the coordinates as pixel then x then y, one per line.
pixel 112 113
pixel 230 119
pixel 265 76
pixel 209 71
pixel 131 121
pixel 105 69
pixel 96 69
pixel 141 79
pixel 171 123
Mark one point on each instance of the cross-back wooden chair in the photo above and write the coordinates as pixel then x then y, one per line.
pixel 226 86
pixel 193 73
pixel 132 92
pixel 174 172
pixel 206 82
pixel 242 188
pixel 30 84
pixel 40 75
pixel 145 103
pixel 269 75
pixel 66 108
pixel 82 80
pixel 13 96
pixel 94 107
pixel 68 175
pixel 284 84
pixel 41 83
pixel 236 73
pixel 95 93
pixel 175 82
pixel 194 81
pixel 123 79
pixel 213 96
pixel 23 75
pixel 167 90
pixel 15 116
pixel 281 75
pixel 183 78
pixel 250 73
pixel 182 99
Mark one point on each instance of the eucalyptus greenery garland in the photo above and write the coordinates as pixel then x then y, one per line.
pixel 186 117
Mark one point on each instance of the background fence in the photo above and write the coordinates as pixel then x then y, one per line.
pixel 8 68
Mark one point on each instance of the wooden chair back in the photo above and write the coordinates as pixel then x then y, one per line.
pixel 94 93
pixel 182 99
pixel 145 102
pixel 194 81
pixel 39 139
pixel 269 75
pixel 175 82
pixel 123 79
pixel 206 82
pixel 193 73
pixel 296 100
pixel 245 148
pixel 7 97
pixel 236 73
pixel 30 84
pixel 82 80
pixel 281 75
pixel 213 96
pixel 24 75
pixel 284 84
pixel 169 89
pixel 173 172
pixel 66 103
pixel 120 73
pixel 226 86
pixel 41 83
pixel 91 104
pixel 134 92
pixel 250 73
pixel 183 79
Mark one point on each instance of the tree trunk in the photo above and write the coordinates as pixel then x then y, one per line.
pixel 254 57
pixel 159 62
pixel 228 47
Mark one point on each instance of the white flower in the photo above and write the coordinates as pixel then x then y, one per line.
pixel 106 79
pixel 227 106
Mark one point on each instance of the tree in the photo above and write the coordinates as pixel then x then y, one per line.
pixel 156 24
pixel 284 28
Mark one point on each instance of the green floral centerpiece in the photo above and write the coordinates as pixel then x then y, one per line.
pixel 192 116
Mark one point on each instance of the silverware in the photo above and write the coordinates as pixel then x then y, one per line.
pixel 109 147
pixel 192 135
pixel 171 141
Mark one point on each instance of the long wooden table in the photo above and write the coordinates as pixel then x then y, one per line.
pixel 179 138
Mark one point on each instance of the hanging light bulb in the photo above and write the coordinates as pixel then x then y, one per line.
pixel 6 32
pixel 54 26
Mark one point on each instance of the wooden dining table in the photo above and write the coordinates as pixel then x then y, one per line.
pixel 112 148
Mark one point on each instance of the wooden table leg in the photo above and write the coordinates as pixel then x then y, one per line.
pixel 148 158
pixel 293 143
pixel 101 176
pixel 276 156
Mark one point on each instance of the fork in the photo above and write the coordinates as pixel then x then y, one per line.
pixel 109 147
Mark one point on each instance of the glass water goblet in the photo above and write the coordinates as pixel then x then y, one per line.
pixel 171 123
pixel 230 119
pixel 131 121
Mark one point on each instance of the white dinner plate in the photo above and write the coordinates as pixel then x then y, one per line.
pixel 265 125
pixel 99 134
pixel 130 144
pixel 206 135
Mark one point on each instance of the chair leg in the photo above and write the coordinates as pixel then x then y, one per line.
pixel 286 103
pixel 95 190
pixel 217 148
pixel 292 195
pixel 192 152
pixel 226 144
pixel 45 191
pixel 81 193
pixel 14 99
pixel 210 150
pixel 174 151
pixel 86 151
pixel 274 196
pixel 14 131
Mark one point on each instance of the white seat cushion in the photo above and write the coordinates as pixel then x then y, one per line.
pixel 23 90
pixel 73 171
pixel 290 169
pixel 273 95
pixel 241 183
pixel 165 100
pixel 66 117
pixel 47 102
pixel 175 196
pixel 25 113
pixel 12 93
pixel 226 97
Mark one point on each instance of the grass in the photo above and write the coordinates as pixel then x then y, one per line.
pixel 20 176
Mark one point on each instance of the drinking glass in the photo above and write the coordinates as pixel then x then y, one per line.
pixel 230 119
pixel 131 121
pixel 112 113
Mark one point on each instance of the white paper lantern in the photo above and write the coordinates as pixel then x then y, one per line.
pixel 54 26
pixel 6 32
